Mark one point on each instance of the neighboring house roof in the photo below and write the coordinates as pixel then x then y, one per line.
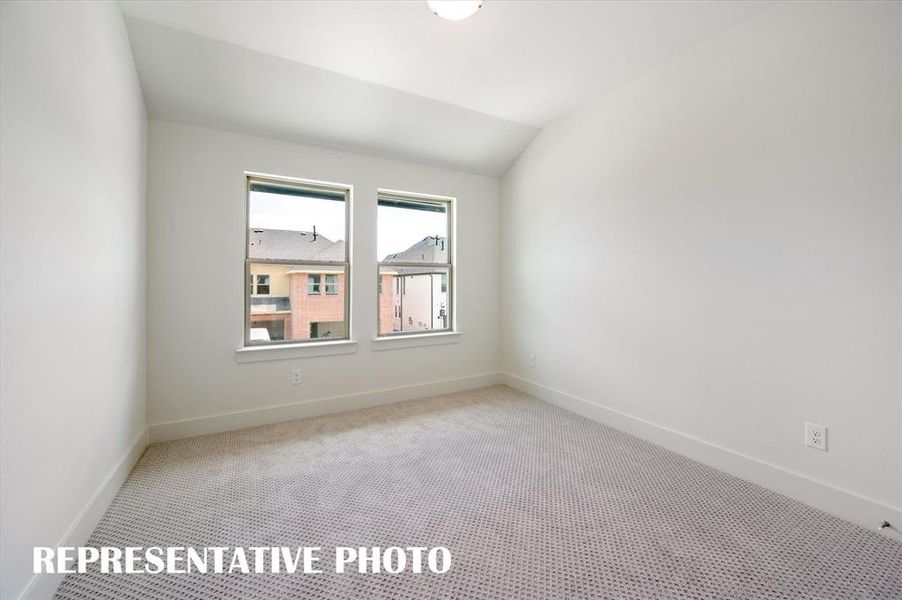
pixel 300 245
pixel 432 249
pixel 293 245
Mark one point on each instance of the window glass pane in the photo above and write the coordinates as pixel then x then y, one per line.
pixel 331 284
pixel 291 224
pixel 412 231
pixel 262 285
pixel 414 299
pixel 289 312
pixel 313 284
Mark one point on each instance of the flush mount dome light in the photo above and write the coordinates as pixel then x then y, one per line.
pixel 454 10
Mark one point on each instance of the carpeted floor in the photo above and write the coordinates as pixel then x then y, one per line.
pixel 533 502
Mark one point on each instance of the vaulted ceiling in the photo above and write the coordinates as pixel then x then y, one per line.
pixel 391 78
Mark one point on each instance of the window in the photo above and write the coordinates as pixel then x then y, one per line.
pixel 296 249
pixel 313 284
pixel 262 288
pixel 414 241
pixel 331 285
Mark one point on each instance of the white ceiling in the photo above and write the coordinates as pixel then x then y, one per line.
pixel 520 62
pixel 188 78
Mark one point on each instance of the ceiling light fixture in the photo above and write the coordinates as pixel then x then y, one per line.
pixel 454 10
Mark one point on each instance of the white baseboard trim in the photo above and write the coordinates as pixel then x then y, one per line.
pixel 42 586
pixel 173 430
pixel 842 503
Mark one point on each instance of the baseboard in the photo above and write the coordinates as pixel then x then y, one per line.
pixel 174 430
pixel 841 503
pixel 43 586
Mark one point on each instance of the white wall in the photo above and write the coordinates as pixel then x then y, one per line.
pixel 715 247
pixel 196 216
pixel 72 227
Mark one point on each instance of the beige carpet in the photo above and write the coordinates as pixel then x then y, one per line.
pixel 533 501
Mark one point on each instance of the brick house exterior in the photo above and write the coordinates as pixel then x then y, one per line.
pixel 301 302
pixel 295 302
pixel 386 303
pixel 312 309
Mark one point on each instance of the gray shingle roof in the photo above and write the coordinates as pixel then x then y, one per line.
pixel 432 249
pixel 293 245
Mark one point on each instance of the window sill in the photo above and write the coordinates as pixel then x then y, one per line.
pixel 416 340
pixel 290 351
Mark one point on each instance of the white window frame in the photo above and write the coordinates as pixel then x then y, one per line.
pixel 313 186
pixel 257 284
pixel 450 333
pixel 334 285
pixel 314 284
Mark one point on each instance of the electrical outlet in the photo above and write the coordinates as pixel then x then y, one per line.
pixel 816 436
pixel 532 360
pixel 295 376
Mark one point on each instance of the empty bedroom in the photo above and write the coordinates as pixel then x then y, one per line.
pixel 414 299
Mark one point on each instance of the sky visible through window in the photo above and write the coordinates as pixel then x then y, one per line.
pixel 398 228
pixel 401 228
pixel 296 213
